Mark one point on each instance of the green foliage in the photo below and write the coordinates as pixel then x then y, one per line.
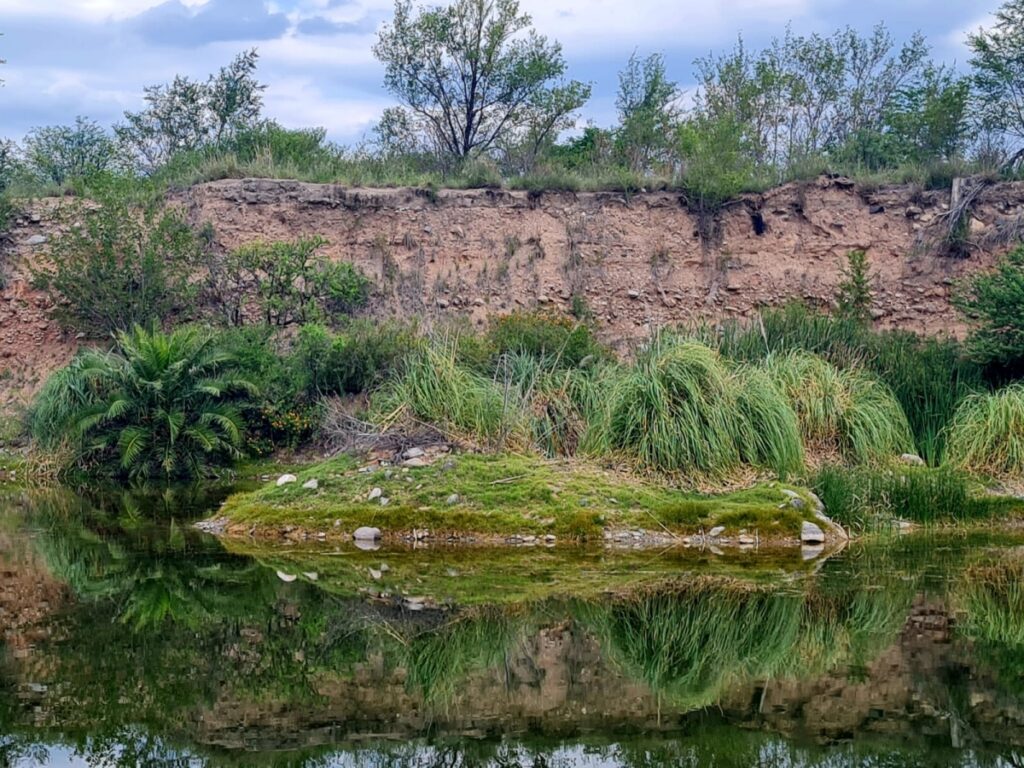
pixel 555 339
pixel 994 302
pixel 987 433
pixel 847 412
pixel 287 281
pixel 472 74
pixel 158 405
pixel 59 154
pixel 854 295
pixel 358 358
pixel 717 160
pixel 997 64
pixel 647 102
pixel 115 266
pixel 680 408
pixel 187 115
pixel 870 499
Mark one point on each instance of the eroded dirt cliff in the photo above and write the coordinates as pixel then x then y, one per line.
pixel 635 262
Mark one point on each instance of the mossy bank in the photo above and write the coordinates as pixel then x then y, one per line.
pixel 514 499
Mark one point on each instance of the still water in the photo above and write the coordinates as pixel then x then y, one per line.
pixel 128 638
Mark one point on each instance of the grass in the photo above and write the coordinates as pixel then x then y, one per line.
pixel 503 495
pixel 872 498
pixel 845 411
pixel 986 435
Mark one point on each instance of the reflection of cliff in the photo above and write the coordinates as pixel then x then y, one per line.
pixel 28 594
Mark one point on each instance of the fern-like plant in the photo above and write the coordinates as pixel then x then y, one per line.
pixel 158 405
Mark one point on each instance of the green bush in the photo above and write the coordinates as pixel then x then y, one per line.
pixel 358 358
pixel 987 433
pixel 563 342
pixel 994 302
pixel 158 405
pixel 113 267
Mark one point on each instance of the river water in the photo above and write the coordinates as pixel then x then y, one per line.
pixel 129 638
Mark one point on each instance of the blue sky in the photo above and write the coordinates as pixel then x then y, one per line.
pixel 93 57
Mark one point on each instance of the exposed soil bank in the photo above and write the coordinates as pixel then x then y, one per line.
pixel 637 261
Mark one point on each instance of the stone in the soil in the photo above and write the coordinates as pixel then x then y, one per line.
pixel 453 499
pixel 416 461
pixel 285 479
pixel 717 531
pixel 36 240
pixel 375 494
pixel 311 485
pixel 384 501
pixel 366 533
pixel 375 574
pixel 811 533
pixel 912 459
pixel 745 538
pixel 413 453
pixel 797 503
pixel 311 575
pixel 287 578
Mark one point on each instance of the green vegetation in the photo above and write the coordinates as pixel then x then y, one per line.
pixel 995 302
pixel 505 495
pixel 870 499
pixel 160 405
pixel 987 434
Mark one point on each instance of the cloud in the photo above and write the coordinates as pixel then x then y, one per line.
pixel 322 26
pixel 175 24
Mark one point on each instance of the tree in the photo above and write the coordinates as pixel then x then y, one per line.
pixel 62 153
pixel 159 405
pixel 854 295
pixel 998 72
pixel 994 301
pixel 472 73
pixel 648 111
pixel 187 115
pixel 115 267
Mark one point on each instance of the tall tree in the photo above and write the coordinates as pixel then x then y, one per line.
pixel 61 153
pixel 186 115
pixel 648 104
pixel 473 73
pixel 998 72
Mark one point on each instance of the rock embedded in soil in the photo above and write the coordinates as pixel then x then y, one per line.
pixel 912 459
pixel 311 485
pixel 375 494
pixel 366 533
pixel 453 499
pixel 811 533
pixel 413 453
pixel 285 479
pixel 717 531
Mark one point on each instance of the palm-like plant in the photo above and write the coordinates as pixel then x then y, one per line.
pixel 159 404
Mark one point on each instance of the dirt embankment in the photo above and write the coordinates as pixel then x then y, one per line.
pixel 635 261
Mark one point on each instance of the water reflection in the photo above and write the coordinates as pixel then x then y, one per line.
pixel 131 639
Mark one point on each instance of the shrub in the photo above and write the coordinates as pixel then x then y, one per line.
pixel 854 295
pixel 59 154
pixel 564 342
pixel 115 267
pixel 158 405
pixel 358 358
pixel 995 303
pixel 843 411
pixel 987 433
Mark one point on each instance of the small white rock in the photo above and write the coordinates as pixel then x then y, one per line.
pixel 366 533
pixel 285 479
pixel 375 494
pixel 287 578
pixel 717 531
pixel 453 499
pixel 311 484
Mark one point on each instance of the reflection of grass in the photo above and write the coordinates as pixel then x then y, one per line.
pixel 502 494
pixel 992 597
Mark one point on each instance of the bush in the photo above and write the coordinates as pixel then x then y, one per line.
pixel 59 154
pixel 987 433
pixel 360 357
pixel 563 342
pixel 846 412
pixel 158 405
pixel 995 303
pixel 113 267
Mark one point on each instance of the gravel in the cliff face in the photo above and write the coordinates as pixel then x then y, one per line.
pixel 637 261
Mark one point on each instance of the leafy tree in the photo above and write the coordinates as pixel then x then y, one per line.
pixel 648 111
pixel 63 153
pixel 998 72
pixel 995 303
pixel 158 405
pixel 115 266
pixel 9 164
pixel 473 73
pixel 930 118
pixel 289 282
pixel 187 115
pixel 717 160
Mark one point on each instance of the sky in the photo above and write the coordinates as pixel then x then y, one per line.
pixel 92 58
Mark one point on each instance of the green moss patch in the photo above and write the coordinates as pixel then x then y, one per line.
pixel 506 494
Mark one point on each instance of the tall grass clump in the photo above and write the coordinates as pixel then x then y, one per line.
pixel 869 498
pixel 843 412
pixel 682 408
pixel 986 435
pixel 436 389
